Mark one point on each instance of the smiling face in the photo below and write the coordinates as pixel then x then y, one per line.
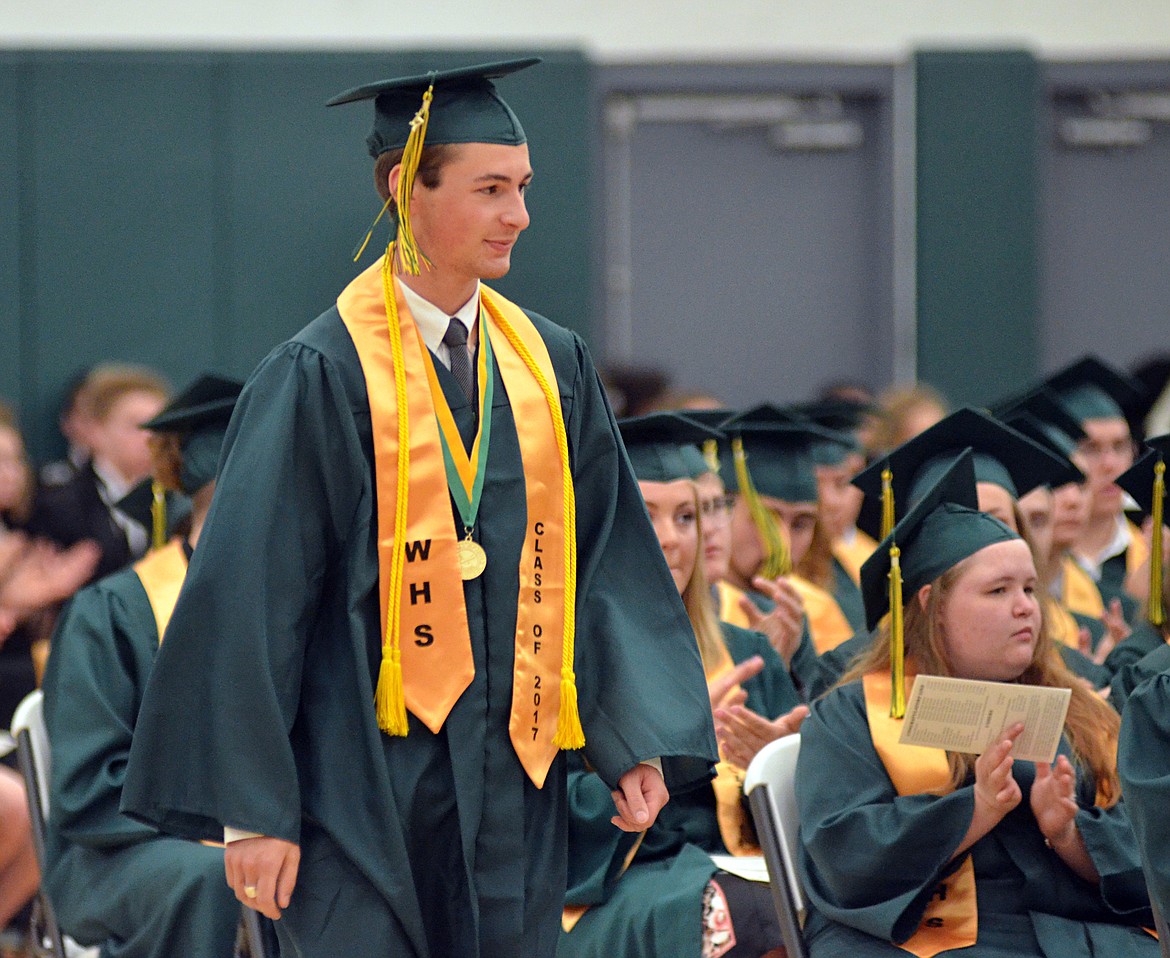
pixel 674 514
pixel 989 620
pixel 468 223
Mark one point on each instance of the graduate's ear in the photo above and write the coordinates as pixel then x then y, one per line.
pixel 924 596
pixel 394 177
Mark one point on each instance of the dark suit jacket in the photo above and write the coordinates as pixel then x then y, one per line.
pixel 75 511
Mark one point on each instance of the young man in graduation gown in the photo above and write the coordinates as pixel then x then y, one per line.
pixel 427 572
pixel 115 882
pixel 1111 548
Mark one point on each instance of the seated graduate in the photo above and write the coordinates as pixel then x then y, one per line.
pixel 658 892
pixel 769 466
pixel 1111 548
pixel 1143 761
pixel 783 624
pixel 919 850
pixel 115 882
pixel 1146 651
pixel 1007 465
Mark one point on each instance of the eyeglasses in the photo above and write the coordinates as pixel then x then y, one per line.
pixel 717 509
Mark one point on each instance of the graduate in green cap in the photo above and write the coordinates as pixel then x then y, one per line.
pixel 1145 651
pixel 911 850
pixel 643 894
pixel 1111 548
pixel 114 882
pixel 427 575
pixel 769 466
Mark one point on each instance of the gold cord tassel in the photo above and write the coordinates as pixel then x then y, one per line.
pixel 777 557
pixel 158 515
pixel 897 645
pixel 389 696
pixel 406 251
pixel 887 502
pixel 1157 612
pixel 711 454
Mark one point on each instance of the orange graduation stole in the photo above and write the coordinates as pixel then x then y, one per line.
pixel 427 641
pixel 827 625
pixel 951 919
pixel 162 573
pixel 1078 591
pixel 852 554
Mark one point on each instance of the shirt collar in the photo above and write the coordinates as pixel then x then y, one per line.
pixel 432 322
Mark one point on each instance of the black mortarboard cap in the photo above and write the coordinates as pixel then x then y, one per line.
pixel 663 446
pixel 465 107
pixel 1138 479
pixel 200 414
pixel 1091 389
pixel 1001 455
pixel 938 532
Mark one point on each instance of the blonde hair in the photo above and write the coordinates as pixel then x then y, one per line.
pixel 898 405
pixel 1091 725
pixel 701 609
pixel 816 565
pixel 107 384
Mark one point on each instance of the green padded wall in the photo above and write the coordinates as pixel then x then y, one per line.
pixel 978 285
pixel 192 210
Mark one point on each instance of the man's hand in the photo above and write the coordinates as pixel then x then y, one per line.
pixel 785 623
pixel 639 798
pixel 262 872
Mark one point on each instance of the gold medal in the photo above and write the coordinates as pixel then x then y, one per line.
pixel 472 559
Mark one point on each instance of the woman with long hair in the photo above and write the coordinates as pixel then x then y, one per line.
pixel 932 852
pixel 660 892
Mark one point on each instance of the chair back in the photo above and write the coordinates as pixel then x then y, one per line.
pixel 770 787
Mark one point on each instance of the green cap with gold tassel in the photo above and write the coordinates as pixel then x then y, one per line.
pixel 437 108
pixel 1145 481
pixel 941 530
pixel 777 556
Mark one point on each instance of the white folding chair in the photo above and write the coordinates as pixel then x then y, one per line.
pixel 770 787
pixel 32 742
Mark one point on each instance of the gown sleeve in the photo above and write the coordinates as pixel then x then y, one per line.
pixel 102 652
pixel 632 629
pixel 288 489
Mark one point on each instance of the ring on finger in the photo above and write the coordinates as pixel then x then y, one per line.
pixel 249 891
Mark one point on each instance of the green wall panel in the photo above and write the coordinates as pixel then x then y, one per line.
pixel 11 139
pixel 192 210
pixel 978 142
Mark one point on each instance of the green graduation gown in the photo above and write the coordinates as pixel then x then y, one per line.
pixel 1143 761
pixel 652 909
pixel 1144 638
pixel 1133 674
pixel 114 881
pixel 848 596
pixel 871 859
pixel 260 712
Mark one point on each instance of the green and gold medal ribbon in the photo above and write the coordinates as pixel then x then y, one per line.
pixel 465 474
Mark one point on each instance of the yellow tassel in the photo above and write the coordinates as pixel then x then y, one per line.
pixel 389 698
pixel 361 247
pixel 897 646
pixel 711 454
pixel 777 557
pixel 406 249
pixel 569 731
pixel 887 502
pixel 158 515
pixel 1157 613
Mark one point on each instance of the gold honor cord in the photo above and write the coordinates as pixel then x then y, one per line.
pixel 465 475
pixel 897 643
pixel 389 697
pixel 158 515
pixel 777 558
pixel 1157 612
pixel 887 502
